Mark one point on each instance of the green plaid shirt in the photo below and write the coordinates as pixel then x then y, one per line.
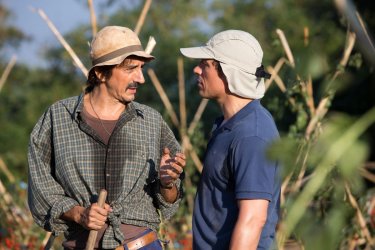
pixel 69 164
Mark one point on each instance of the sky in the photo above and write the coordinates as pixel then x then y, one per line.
pixel 65 15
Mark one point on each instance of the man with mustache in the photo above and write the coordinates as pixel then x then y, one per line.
pixel 103 139
pixel 237 201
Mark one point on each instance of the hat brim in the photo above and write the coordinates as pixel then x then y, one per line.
pixel 197 52
pixel 120 59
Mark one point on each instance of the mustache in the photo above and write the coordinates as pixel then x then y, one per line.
pixel 133 85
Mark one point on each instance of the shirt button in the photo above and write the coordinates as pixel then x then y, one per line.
pixel 108 175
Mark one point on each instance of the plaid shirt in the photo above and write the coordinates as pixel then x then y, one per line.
pixel 69 164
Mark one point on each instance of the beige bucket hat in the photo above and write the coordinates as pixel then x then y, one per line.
pixel 240 56
pixel 112 44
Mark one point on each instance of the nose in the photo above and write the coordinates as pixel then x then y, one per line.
pixel 197 70
pixel 139 78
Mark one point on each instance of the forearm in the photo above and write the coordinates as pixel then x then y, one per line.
pixel 170 194
pixel 246 235
pixel 250 222
pixel 75 214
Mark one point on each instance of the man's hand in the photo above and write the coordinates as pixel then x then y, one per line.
pixel 91 218
pixel 171 168
pixel 94 217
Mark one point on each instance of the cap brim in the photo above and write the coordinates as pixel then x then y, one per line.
pixel 197 52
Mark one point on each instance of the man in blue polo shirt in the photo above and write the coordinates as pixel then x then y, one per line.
pixel 237 201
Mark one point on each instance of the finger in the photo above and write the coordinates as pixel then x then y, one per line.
pixel 179 162
pixel 166 151
pixel 173 173
pixel 181 155
pixel 95 224
pixel 107 207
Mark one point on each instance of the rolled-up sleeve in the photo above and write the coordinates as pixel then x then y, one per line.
pixel 46 197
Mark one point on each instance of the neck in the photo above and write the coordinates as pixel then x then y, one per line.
pixel 232 104
pixel 103 106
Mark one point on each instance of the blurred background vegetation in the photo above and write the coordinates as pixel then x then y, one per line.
pixel 321 94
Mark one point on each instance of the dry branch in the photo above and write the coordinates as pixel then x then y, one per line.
pixel 360 218
pixel 323 105
pixel 279 82
pixel 142 17
pixel 92 18
pixel 309 92
pixel 321 111
pixel 150 45
pixel 67 47
pixel 7 71
pixel 164 97
pixel 306 36
pixel 367 174
pixel 276 69
pixel 181 95
pixel 285 44
pixel 350 41
pixel 186 145
pixel 6 171
pixel 197 116
pixel 356 23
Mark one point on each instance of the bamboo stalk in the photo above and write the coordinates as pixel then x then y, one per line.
pixel 279 82
pixel 186 144
pixel 285 44
pixel 181 94
pixel 366 44
pixel 6 171
pixel 7 71
pixel 306 36
pixel 277 79
pixel 321 111
pixel 364 29
pixel 299 182
pixel 367 174
pixel 323 105
pixel 164 97
pixel 309 91
pixel 189 197
pixel 142 17
pixel 198 115
pixel 360 218
pixel 350 41
pixel 92 18
pixel 67 47
pixel 150 45
pixel 276 69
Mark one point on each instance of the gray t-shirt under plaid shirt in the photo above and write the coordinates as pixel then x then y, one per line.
pixel 69 164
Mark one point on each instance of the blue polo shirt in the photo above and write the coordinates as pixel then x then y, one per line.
pixel 236 167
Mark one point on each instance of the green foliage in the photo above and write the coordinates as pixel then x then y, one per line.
pixel 9 35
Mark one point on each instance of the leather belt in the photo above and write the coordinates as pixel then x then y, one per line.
pixel 140 242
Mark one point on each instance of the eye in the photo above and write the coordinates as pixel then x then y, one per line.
pixel 203 63
pixel 129 68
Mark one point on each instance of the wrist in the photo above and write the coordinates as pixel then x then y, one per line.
pixel 169 186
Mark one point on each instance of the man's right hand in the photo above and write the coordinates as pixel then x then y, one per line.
pixel 91 218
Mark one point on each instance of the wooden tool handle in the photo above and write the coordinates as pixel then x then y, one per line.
pixel 93 233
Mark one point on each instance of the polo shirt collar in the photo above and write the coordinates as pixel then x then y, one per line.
pixel 238 117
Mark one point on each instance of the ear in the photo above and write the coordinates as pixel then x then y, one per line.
pixel 99 75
